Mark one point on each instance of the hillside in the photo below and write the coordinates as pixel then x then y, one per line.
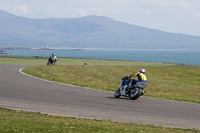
pixel 87 32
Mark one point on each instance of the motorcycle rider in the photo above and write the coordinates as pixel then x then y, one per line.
pixel 52 59
pixel 141 76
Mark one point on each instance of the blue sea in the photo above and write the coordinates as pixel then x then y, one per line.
pixel 157 56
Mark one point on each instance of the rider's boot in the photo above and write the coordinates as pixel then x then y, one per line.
pixel 127 89
pixel 143 92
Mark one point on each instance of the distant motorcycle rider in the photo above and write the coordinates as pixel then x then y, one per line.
pixel 52 59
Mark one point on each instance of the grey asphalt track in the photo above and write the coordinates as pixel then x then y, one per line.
pixel 18 91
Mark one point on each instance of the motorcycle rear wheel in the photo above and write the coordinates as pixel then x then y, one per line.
pixel 117 94
pixel 135 93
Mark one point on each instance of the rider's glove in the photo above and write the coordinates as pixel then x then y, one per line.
pixel 125 77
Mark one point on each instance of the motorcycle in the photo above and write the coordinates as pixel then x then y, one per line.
pixel 130 89
pixel 51 61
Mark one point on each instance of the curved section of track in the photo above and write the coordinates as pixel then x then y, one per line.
pixel 22 92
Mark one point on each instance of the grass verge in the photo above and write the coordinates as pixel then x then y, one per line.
pixel 25 122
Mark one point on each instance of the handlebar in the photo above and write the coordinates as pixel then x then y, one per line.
pixel 125 78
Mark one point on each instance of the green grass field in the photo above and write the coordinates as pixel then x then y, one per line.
pixel 167 81
pixel 14 121
pixel 18 60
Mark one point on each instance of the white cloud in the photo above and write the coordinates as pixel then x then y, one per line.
pixel 185 5
pixel 22 9
pixel 196 14
pixel 82 12
pixel 89 11
pixel 175 3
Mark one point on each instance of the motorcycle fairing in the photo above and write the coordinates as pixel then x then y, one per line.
pixel 141 84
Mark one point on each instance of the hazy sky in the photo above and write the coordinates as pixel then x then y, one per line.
pixel 176 16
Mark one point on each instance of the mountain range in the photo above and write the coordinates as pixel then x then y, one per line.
pixel 87 32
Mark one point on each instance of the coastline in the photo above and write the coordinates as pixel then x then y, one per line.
pixel 83 49
pixel 153 56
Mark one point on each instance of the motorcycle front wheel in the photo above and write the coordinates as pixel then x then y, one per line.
pixel 135 93
pixel 117 94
